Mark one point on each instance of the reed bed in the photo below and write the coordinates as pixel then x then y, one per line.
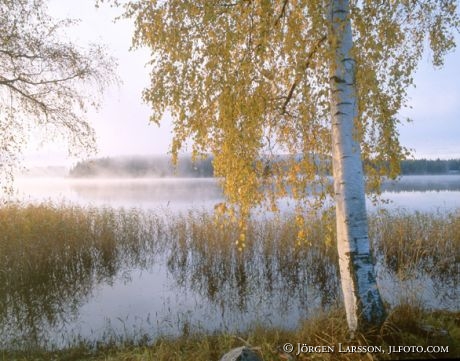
pixel 52 256
pixel 410 242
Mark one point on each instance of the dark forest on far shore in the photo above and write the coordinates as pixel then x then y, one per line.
pixel 160 166
pixel 142 166
pixel 428 166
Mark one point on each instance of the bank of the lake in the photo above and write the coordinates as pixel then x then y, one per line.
pixel 408 333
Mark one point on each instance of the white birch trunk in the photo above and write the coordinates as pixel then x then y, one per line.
pixel 363 305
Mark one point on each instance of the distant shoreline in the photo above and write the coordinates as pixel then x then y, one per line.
pixel 161 167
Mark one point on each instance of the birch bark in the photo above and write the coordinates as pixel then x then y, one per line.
pixel 363 304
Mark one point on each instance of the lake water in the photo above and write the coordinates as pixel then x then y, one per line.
pixel 171 289
pixel 412 193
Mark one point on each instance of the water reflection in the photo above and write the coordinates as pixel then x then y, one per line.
pixel 73 259
pixel 204 259
pixel 425 193
pixel 147 193
pixel 52 259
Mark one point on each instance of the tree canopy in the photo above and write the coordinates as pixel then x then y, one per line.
pixel 45 80
pixel 249 80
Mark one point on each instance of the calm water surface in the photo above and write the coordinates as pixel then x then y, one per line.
pixel 173 288
pixel 412 193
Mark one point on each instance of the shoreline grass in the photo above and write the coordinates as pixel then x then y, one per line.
pixel 404 327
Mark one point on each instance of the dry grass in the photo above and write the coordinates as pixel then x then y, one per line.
pixel 325 329
pixel 410 242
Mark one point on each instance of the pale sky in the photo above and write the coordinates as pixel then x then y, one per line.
pixel 122 124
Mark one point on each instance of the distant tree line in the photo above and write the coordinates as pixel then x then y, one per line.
pixel 429 166
pixel 160 166
pixel 142 166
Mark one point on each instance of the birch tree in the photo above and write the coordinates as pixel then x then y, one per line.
pixel 314 80
pixel 46 81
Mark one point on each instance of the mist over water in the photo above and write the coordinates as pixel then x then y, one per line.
pixel 145 193
pixel 413 193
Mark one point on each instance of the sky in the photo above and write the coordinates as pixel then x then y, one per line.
pixel 122 124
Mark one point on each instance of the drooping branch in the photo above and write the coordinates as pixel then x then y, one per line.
pixel 29 97
pixel 301 74
pixel 20 79
pixel 282 13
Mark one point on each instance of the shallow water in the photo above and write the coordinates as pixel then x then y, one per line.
pixel 169 286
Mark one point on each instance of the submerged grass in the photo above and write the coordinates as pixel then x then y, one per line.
pixel 52 256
